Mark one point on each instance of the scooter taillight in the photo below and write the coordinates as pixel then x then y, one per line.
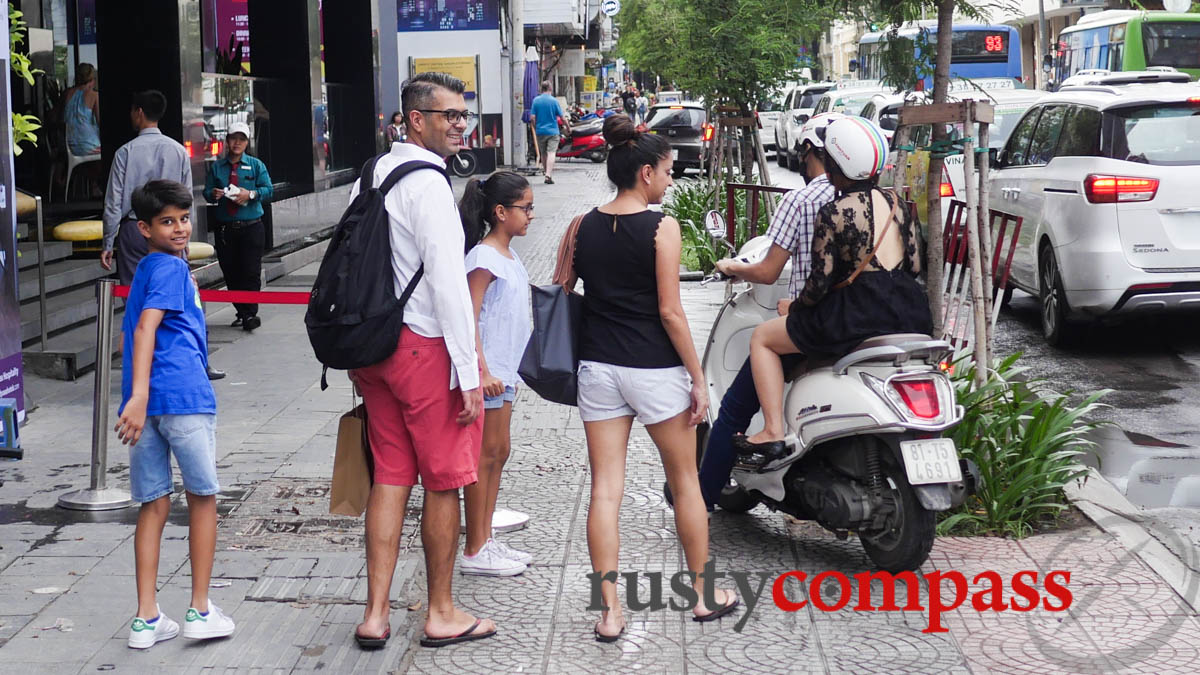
pixel 920 396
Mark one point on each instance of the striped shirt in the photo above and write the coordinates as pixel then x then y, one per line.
pixel 792 226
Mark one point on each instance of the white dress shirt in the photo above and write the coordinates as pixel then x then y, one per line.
pixel 425 228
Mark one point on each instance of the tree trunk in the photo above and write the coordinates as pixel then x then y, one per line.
pixel 941 84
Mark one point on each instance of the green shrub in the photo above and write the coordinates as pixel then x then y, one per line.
pixel 687 202
pixel 1026 441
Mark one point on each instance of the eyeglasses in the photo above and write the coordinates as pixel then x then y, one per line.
pixel 528 209
pixel 453 116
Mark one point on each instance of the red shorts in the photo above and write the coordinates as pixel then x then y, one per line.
pixel 411 415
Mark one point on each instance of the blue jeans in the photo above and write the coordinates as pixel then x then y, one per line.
pixel 738 407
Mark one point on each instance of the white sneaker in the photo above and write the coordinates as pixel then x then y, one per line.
pixel 490 563
pixel 144 634
pixel 511 553
pixel 215 624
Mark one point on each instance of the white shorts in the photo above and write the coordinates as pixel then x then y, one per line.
pixel 652 394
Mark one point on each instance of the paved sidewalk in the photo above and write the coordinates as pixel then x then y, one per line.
pixel 293 578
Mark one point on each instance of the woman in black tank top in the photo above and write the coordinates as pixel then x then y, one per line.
pixel 636 357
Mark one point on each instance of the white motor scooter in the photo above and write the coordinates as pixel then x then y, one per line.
pixel 863 432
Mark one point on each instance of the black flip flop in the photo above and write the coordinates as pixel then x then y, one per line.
pixel 601 637
pixel 365 642
pixel 465 636
pixel 727 608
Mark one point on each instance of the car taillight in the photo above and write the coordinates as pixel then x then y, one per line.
pixel 215 150
pixel 1102 189
pixel 708 132
pixel 187 145
pixel 946 189
pixel 1195 100
pixel 920 396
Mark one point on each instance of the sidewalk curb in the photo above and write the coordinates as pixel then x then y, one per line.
pixel 1112 512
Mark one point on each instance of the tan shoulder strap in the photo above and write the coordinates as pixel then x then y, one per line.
pixel 875 245
pixel 564 268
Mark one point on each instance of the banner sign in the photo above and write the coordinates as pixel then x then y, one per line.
pixel 427 15
pixel 11 374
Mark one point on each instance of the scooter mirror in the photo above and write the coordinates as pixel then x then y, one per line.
pixel 715 224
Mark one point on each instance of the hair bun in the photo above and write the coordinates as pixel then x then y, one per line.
pixel 619 130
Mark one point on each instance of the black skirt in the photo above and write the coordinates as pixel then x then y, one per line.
pixel 877 303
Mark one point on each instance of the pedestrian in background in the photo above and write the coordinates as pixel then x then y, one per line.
pixel 637 359
pixel 494 211
pixel 544 112
pixel 424 406
pixel 394 131
pixel 168 409
pixel 149 156
pixel 643 106
pixel 240 185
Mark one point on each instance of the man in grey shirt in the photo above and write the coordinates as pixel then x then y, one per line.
pixel 150 155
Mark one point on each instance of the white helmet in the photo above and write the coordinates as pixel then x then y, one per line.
pixel 813 130
pixel 857 146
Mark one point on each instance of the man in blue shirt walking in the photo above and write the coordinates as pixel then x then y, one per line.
pixel 545 112
pixel 240 184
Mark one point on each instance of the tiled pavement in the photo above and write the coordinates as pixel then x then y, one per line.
pixel 292 575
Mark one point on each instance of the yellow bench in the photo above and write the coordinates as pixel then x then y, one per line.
pixel 93 230
pixel 79 230
pixel 200 250
pixel 26 206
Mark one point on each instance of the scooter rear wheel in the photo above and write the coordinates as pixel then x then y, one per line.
pixel 905 542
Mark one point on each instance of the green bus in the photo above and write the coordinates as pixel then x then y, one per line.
pixel 1122 40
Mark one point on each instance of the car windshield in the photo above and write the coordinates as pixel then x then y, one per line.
pixel 675 117
pixel 1007 117
pixel 770 105
pixel 1158 134
pixel 809 98
pixel 1172 43
pixel 852 104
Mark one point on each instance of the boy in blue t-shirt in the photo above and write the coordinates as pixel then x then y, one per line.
pixel 169 409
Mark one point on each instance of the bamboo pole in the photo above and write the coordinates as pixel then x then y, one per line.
pixel 982 359
pixel 987 246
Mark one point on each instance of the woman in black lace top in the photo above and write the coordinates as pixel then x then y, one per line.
pixel 865 259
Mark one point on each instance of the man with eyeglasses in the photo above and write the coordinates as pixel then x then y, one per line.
pixel 424 404
pixel 545 111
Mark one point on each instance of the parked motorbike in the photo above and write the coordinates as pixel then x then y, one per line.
pixel 584 140
pixel 863 432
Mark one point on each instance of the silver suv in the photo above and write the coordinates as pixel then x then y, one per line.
pixel 1107 179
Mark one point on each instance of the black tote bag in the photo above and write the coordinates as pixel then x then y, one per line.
pixel 551 356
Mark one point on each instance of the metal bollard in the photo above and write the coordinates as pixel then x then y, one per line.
pixel 100 497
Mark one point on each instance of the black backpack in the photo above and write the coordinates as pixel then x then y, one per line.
pixel 354 318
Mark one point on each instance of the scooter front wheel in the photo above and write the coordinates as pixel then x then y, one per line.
pixel 463 164
pixel 907 535
pixel 735 499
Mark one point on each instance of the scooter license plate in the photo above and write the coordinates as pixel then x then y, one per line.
pixel 674 155
pixel 931 461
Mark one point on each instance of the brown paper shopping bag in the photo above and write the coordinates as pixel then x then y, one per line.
pixel 352 466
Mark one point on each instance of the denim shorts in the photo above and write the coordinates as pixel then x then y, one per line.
pixel 193 441
pixel 497 402
pixel 653 395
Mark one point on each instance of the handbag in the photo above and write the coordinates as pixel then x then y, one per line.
pixel 551 356
pixel 353 467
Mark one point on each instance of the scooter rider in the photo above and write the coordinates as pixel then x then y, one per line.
pixel 791 232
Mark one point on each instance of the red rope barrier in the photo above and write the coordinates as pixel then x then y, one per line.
pixel 248 297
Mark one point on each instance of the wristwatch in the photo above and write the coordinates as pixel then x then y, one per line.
pixel 253 195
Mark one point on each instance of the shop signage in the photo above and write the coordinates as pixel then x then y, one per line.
pixel 462 67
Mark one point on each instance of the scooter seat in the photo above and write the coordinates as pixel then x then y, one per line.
pixel 893 339
pixel 587 130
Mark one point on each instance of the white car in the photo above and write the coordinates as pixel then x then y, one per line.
pixel 797 108
pixel 1105 178
pixel 769 112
